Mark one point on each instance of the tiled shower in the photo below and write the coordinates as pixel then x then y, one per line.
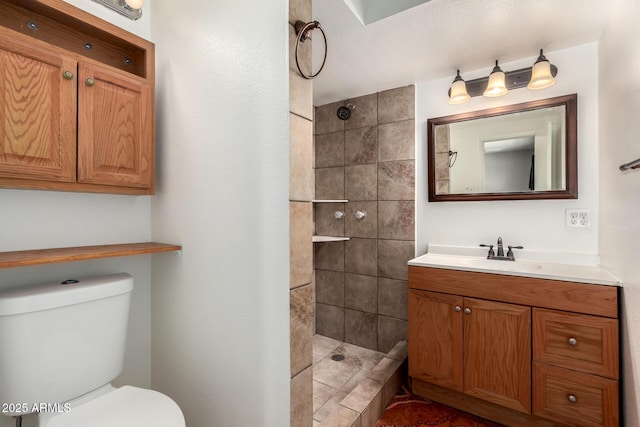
pixel 369 160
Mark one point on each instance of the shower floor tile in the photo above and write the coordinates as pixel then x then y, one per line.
pixel 334 380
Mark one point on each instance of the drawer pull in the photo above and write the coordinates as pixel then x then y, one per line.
pixel 458 309
pixel 573 341
pixel 467 311
pixel 572 398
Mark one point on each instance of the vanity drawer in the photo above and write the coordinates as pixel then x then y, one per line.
pixel 574 398
pixel 576 341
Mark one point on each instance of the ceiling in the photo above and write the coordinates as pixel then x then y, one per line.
pixel 431 40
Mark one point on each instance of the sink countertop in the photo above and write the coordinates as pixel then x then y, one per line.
pixel 541 270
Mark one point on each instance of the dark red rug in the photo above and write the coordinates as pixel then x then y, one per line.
pixel 409 410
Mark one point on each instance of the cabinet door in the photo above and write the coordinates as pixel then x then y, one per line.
pixel 497 355
pixel 435 338
pixel 37 112
pixel 115 128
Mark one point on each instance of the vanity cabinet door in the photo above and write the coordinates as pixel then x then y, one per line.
pixel 435 338
pixel 497 353
pixel 37 112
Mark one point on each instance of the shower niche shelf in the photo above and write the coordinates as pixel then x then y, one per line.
pixel 80 253
pixel 323 239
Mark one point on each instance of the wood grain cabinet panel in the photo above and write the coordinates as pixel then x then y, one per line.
pixel 574 398
pixel 115 144
pixel 37 112
pixel 497 353
pixel 576 341
pixel 435 338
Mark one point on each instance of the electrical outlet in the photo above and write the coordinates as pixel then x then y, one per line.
pixel 577 218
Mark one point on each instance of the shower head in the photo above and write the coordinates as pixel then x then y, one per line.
pixel 344 113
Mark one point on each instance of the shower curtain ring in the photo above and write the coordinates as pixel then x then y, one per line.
pixel 302 32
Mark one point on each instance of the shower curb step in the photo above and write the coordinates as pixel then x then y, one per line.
pixel 366 402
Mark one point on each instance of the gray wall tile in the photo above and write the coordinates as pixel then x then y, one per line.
pixel 330 183
pixel 326 120
pixel 396 141
pixel 329 256
pixel 326 222
pixel 300 95
pixel 390 331
pixel 396 180
pixel 361 182
pixel 329 149
pixel 392 298
pixel 360 256
pixel 361 293
pixel 300 10
pixel 396 220
pixel 330 287
pixel 396 105
pixel 393 256
pixel 365 113
pixel 367 227
pixel 361 329
pixel 360 145
pixel 330 321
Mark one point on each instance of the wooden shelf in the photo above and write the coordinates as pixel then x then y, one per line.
pixel 80 253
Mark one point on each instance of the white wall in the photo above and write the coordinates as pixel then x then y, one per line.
pixel 42 219
pixel 536 224
pixel 619 82
pixel 220 319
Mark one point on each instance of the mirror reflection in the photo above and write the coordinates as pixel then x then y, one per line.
pixel 515 152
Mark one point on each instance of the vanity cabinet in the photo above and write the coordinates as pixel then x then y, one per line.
pixel 76 102
pixel 522 351
pixel 459 342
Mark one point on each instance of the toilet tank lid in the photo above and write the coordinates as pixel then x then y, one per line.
pixel 63 293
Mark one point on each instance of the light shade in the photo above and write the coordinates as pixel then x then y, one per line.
pixel 134 4
pixel 541 76
pixel 496 85
pixel 458 92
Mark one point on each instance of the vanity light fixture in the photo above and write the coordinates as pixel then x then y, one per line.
pixel 132 9
pixel 458 92
pixel 541 75
pixel 496 85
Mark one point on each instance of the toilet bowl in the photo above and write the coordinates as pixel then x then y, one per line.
pixel 66 344
pixel 126 406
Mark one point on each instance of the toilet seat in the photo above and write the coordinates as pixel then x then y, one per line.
pixel 126 406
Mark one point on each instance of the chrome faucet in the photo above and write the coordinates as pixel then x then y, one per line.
pixel 500 255
pixel 500 248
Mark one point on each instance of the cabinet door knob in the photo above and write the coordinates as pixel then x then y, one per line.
pixel 573 341
pixel 458 309
pixel 339 214
pixel 467 310
pixel 572 398
pixel 360 215
pixel 89 81
pixel 67 75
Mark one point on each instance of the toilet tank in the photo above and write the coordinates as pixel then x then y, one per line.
pixel 59 341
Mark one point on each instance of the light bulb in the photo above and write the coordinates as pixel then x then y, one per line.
pixel 134 4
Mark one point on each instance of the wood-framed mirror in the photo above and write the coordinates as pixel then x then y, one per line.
pixel 515 152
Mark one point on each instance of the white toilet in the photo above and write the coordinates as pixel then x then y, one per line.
pixel 62 345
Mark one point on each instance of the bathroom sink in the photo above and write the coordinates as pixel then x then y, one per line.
pixel 492 264
pixel 544 270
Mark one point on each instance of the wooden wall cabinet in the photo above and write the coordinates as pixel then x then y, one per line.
pixel 76 102
pixel 521 351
